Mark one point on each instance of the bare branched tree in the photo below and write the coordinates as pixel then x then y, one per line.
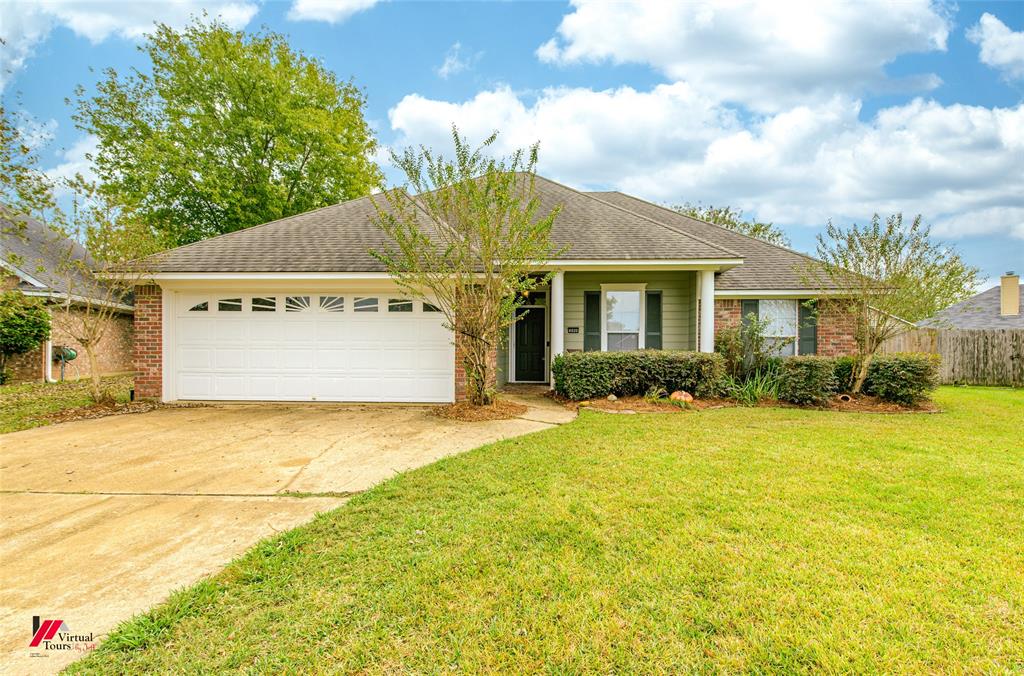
pixel 468 236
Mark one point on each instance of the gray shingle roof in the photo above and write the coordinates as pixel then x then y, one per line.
pixel 339 238
pixel 765 266
pixel 40 252
pixel 978 312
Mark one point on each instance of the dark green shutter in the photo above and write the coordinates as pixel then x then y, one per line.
pixel 652 337
pixel 591 321
pixel 808 328
pixel 747 308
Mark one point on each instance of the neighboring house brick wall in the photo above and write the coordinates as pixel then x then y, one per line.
pixel 148 342
pixel 26 367
pixel 113 354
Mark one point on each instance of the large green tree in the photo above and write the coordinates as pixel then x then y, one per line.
pixel 24 188
pixel 727 217
pixel 228 130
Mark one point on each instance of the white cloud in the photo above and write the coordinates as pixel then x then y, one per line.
pixel 961 166
pixel 26 24
pixel 1001 48
pixel 455 61
pixel 768 55
pixel 75 160
pixel 331 11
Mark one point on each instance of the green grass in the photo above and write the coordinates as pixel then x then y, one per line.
pixel 25 406
pixel 737 539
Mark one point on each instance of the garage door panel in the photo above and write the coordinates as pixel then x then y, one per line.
pixel 230 331
pixel 229 358
pixel 312 354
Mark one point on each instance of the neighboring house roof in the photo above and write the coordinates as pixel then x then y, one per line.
pixel 339 238
pixel 37 255
pixel 765 266
pixel 977 312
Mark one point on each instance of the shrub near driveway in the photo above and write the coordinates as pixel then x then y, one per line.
pixel 582 375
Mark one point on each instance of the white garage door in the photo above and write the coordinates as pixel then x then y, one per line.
pixel 311 347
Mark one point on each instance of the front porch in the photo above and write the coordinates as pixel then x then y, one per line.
pixel 608 310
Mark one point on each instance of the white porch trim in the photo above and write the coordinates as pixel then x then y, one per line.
pixel 706 322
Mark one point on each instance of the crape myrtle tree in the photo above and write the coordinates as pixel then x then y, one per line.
pixel 226 130
pixel 885 275
pixel 467 234
pixel 117 246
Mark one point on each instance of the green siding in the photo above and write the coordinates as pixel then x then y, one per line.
pixel 678 307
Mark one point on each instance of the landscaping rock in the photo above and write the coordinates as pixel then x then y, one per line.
pixel 680 395
pixel 612 397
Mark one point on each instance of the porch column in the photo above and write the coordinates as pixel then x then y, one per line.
pixel 557 317
pixel 707 311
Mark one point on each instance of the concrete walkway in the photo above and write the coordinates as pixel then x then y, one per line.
pixel 102 519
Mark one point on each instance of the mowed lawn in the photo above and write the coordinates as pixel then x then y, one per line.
pixel 735 539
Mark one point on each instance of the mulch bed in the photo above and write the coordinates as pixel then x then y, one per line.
pixel 105 410
pixel 633 404
pixel 501 409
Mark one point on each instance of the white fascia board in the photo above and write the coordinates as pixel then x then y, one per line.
pixel 18 272
pixel 776 293
pixel 644 264
pixel 75 298
pixel 274 276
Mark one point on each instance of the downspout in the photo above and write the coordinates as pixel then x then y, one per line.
pixel 48 369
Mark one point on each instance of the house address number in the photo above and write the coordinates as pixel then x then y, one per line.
pixel 573 329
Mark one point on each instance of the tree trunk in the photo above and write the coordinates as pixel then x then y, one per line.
pixel 95 383
pixel 863 364
pixel 478 372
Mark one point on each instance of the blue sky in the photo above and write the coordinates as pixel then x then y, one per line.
pixel 795 115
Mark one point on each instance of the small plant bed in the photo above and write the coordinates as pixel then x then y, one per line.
pixel 501 409
pixel 104 410
pixel 33 404
pixel 864 403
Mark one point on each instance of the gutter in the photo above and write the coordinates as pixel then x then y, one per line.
pixel 48 369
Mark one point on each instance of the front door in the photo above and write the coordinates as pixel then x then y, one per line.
pixel 530 345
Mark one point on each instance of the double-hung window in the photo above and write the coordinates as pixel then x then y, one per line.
pixel 622 314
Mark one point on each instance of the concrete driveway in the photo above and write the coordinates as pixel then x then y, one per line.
pixel 102 519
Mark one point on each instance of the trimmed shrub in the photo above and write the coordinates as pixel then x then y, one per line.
pixel 807 380
pixel 582 375
pixel 906 378
pixel 843 373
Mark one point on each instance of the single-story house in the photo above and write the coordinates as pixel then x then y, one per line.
pixel 298 309
pixel 32 257
pixel 996 308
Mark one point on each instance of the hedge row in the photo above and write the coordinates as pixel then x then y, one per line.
pixel 582 375
pixel 902 378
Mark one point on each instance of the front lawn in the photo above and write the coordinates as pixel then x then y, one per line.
pixel 726 540
pixel 28 405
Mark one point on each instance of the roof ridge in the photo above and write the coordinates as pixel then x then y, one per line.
pixel 722 227
pixel 633 213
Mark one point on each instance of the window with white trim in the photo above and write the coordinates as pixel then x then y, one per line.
pixel 782 319
pixel 622 317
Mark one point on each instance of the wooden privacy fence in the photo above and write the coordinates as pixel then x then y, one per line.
pixel 971 356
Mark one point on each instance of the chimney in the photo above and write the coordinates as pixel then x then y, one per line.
pixel 1009 295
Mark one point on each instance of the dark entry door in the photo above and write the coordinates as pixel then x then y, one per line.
pixel 530 345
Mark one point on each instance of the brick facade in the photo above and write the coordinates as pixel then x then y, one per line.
pixel 149 325
pixel 835 327
pixel 113 354
pixel 836 331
